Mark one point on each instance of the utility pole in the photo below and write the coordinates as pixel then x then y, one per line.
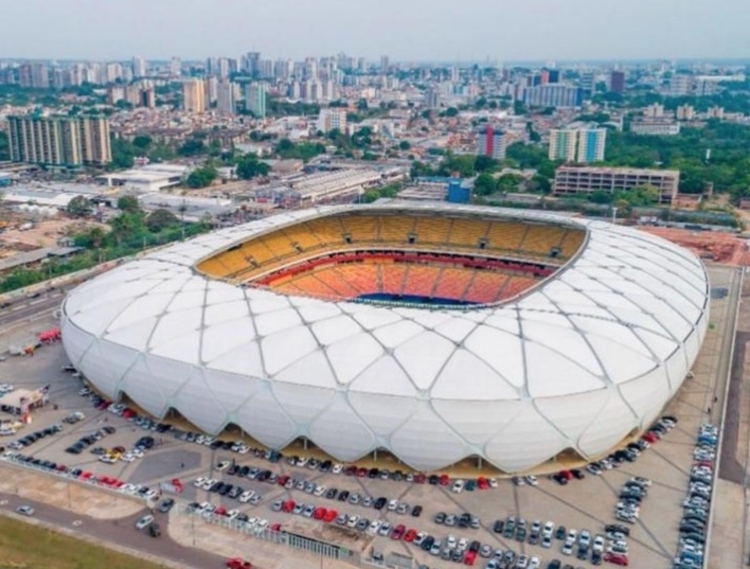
pixel 614 215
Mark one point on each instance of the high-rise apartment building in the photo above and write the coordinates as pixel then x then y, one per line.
pixel 139 67
pixel 255 99
pixel 225 97
pixel 34 75
pixel 562 144
pixel 617 82
pixel 175 67
pixel 252 63
pixel 194 96
pixel 680 85
pixel 492 143
pixel 558 96
pixel 59 141
pixel 587 83
pixel 209 90
pixel 330 119
pixel 581 145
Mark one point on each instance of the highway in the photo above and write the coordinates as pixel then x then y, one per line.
pixel 28 308
pixel 120 532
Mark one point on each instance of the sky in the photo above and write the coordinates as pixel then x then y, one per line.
pixel 406 30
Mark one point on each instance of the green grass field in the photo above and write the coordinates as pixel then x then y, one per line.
pixel 25 546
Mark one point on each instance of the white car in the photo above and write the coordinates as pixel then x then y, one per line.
pixel 302 461
pixel 223 465
pixel 200 481
pixel 246 495
pixel 421 536
pixel 337 468
pixel 392 505
pixel 493 482
pixel 127 457
pixel 320 490
pixel 138 453
pixel 352 523
pixel 463 543
pixel 208 483
pixel 232 514
pixel 548 529
pixel 567 547
pixel 25 510
pixel 585 538
pixel 598 545
pixel 532 480
pixel 375 526
pixel 535 562
pixel 144 522
pixel 458 486
pixel 451 541
pixel 107 459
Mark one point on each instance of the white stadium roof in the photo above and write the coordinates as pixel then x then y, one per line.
pixel 579 362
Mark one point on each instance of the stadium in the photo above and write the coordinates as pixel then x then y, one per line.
pixel 435 333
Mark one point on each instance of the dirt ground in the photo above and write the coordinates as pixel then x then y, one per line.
pixel 65 494
pixel 44 234
pixel 724 248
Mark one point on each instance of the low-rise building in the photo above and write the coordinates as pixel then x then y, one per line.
pixel 655 128
pixel 573 180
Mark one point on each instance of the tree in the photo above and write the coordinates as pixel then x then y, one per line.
pixel 485 163
pixel 128 203
pixel 123 153
pixel 202 177
pixel 193 146
pixel 80 206
pixel 484 185
pixel 142 142
pixel 451 112
pixel 404 145
pixel 249 167
pixel 160 219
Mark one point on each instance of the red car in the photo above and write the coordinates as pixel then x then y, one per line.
pixel 128 414
pixel 483 483
pixel 283 479
pixel 288 506
pixel 398 532
pixel 350 470
pixel 420 478
pixel 444 480
pixel 650 438
pixel 471 557
pixel 362 472
pixel 276 527
pixel 616 558
pixel 330 516
pixel 238 563
pixel 85 475
pixel 220 511
pixel 567 474
pixel 705 463
pixel 177 483
pixel 410 535
pixel 319 513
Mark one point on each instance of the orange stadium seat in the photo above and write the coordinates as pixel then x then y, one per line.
pixel 506 236
pixel 393 277
pixel 331 277
pixel 431 231
pixel 541 239
pixel 421 279
pixel 395 229
pixel 571 242
pixel 328 230
pixel 361 228
pixel 453 283
pixel 362 277
pixel 467 232
pixel 485 287
pixel 516 286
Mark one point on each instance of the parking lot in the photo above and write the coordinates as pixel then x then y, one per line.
pixel 587 504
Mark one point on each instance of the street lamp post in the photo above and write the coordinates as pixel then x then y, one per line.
pixel 614 215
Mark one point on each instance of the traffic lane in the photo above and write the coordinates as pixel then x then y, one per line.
pixel 26 310
pixel 121 532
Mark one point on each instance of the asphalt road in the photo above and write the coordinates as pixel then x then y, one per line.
pixel 120 532
pixel 24 309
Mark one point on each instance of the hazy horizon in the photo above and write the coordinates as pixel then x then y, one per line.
pixel 420 30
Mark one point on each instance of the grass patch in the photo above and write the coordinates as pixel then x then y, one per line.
pixel 26 546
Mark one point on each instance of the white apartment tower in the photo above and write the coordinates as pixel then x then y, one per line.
pixel 330 119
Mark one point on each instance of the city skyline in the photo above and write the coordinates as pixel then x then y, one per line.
pixel 417 31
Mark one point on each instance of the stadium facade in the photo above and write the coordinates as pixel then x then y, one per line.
pixel 586 355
